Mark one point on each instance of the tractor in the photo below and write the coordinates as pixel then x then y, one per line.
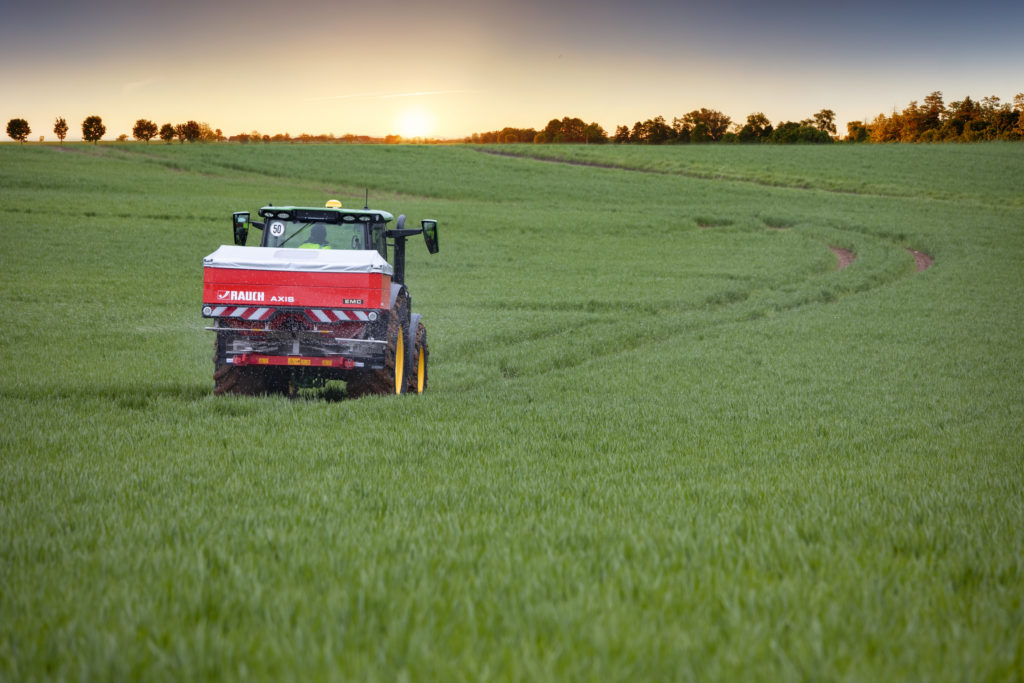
pixel 317 300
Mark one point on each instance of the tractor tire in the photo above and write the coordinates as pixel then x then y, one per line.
pixel 417 373
pixel 393 377
pixel 227 379
pixel 247 381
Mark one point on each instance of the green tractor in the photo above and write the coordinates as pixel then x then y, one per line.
pixel 319 299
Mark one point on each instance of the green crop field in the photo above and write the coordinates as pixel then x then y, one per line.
pixel 665 438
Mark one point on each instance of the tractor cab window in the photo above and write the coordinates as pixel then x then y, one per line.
pixel 378 241
pixel 315 235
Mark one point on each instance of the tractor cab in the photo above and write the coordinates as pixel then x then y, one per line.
pixel 334 227
pixel 327 228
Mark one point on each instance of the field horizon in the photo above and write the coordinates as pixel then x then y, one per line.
pixel 666 437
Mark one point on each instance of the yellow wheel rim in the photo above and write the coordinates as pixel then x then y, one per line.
pixel 421 370
pixel 399 361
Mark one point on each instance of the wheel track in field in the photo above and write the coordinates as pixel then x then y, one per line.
pixel 696 175
pixel 233 172
pixel 723 177
pixel 674 322
pixel 846 257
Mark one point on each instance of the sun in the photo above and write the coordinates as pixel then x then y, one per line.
pixel 415 123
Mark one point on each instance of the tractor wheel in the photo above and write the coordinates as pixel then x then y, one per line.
pixel 227 379
pixel 247 381
pixel 420 355
pixel 392 378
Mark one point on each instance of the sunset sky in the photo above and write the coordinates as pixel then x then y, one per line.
pixel 448 68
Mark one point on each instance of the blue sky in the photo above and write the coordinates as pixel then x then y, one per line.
pixel 453 67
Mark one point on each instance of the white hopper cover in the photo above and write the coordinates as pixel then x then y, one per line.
pixel 298 260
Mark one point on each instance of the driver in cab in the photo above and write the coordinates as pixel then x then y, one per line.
pixel 317 238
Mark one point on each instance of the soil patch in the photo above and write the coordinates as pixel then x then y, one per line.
pixel 922 261
pixel 845 256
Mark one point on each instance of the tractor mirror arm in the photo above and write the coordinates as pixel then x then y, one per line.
pixel 403 233
pixel 400 231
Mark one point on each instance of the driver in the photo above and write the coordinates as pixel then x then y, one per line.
pixel 317 238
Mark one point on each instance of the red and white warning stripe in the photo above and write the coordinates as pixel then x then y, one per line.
pixel 243 312
pixel 334 315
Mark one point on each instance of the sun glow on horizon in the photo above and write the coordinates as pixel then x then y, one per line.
pixel 415 123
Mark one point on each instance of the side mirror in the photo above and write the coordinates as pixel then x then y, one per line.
pixel 240 221
pixel 430 234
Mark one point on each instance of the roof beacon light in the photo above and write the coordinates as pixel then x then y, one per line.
pixel 332 204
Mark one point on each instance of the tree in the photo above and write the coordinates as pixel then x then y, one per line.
pixel 713 124
pixel 934 111
pixel 167 133
pixel 960 118
pixel 572 130
pixel 191 131
pixel 18 129
pixel 790 133
pixel 507 135
pixel 144 130
pixel 639 132
pixel 60 129
pixel 680 130
pixel 825 120
pixel 206 134
pixel 658 132
pixel 1018 106
pixel 856 131
pixel 1000 120
pixel 569 129
pixel 908 124
pixel 593 132
pixel 93 129
pixel 550 133
pixel 884 129
pixel 650 132
pixel 699 134
pixel 757 128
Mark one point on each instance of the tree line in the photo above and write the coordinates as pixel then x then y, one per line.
pixel 933 121
pixel 710 125
pixel 698 126
pixel 145 130
pixel 963 121
pixel 966 120
pixel 93 130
